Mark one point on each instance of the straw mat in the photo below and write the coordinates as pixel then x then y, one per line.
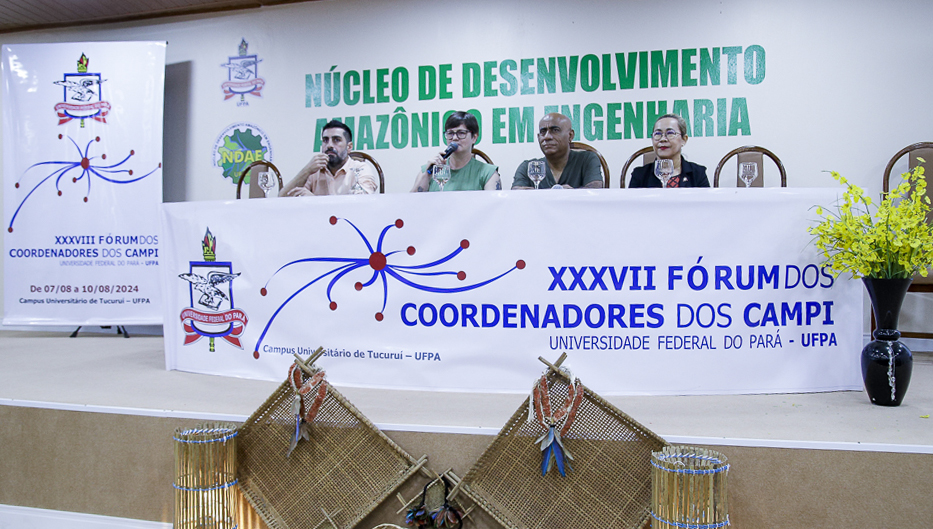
pixel 609 486
pixel 347 468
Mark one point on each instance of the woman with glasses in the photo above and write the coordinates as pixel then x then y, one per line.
pixel 466 173
pixel 668 138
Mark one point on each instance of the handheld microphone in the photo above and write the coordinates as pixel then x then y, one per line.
pixel 450 150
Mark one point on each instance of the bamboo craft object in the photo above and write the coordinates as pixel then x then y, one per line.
pixel 689 488
pixel 335 479
pixel 609 486
pixel 205 476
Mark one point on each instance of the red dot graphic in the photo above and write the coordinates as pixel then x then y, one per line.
pixel 132 153
pixel 256 355
pixel 263 291
pixel 73 180
pixel 160 165
pixel 131 172
pixel 333 220
pixel 10 229
pixel 17 185
pixel 464 244
pixel 358 286
pixel 333 305
pixel 85 199
pixel 59 136
pixel 461 275
pixel 520 264
pixel 377 260
pixel 97 138
pixel 85 163
pixel 411 250
pixel 399 223
pixel 59 193
pixel 103 156
pixel 379 316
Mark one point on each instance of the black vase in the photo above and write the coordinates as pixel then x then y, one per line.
pixel 886 362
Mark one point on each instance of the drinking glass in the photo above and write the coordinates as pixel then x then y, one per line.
pixel 537 171
pixel 441 175
pixel 266 182
pixel 664 170
pixel 748 172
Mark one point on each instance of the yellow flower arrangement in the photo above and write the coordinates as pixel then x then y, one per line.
pixel 895 242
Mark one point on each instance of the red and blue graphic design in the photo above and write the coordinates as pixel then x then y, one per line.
pixel 88 167
pixel 214 315
pixel 378 261
pixel 82 97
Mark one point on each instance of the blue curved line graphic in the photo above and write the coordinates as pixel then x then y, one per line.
pixel 382 236
pixel 434 263
pixel 282 306
pixel 446 290
pixel 316 259
pixel 337 277
pixel 365 240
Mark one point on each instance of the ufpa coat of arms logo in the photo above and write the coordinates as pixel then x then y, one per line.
pixel 243 76
pixel 211 313
pixel 82 96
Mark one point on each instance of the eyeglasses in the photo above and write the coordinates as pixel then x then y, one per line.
pixel 459 134
pixel 669 134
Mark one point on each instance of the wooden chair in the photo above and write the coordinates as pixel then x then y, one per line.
pixel 253 171
pixel 481 154
pixel 649 157
pixel 753 154
pixel 576 145
pixel 363 157
pixel 918 150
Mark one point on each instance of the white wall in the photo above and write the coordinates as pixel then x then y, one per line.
pixel 844 86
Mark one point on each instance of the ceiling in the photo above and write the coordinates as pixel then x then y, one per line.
pixel 25 15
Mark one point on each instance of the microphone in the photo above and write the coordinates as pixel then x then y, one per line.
pixel 450 150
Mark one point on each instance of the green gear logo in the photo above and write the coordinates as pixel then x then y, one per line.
pixel 238 146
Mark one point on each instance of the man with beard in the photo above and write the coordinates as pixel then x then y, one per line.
pixel 332 171
pixel 566 168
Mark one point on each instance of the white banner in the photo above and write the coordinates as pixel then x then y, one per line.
pixel 649 292
pixel 82 176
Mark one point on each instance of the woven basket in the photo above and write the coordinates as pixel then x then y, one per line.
pixel 205 476
pixel 347 468
pixel 609 486
pixel 689 488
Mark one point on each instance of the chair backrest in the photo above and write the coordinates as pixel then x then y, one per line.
pixel 649 156
pixel 924 150
pixel 602 161
pixel 253 170
pixel 481 154
pixel 363 157
pixel 751 154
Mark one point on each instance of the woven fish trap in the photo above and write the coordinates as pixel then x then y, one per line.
pixel 335 479
pixel 609 486
pixel 205 476
pixel 689 488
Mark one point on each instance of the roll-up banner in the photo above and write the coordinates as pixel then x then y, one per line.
pixel 82 177
pixel 692 291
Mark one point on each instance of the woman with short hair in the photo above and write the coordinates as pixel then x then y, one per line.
pixel 668 138
pixel 466 172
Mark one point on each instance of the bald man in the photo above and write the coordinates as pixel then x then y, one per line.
pixel 565 168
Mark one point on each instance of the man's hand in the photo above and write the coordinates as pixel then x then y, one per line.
pixel 300 192
pixel 318 162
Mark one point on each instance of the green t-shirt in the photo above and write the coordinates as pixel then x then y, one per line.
pixel 471 177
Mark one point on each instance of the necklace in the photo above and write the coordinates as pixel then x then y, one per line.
pixel 556 424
